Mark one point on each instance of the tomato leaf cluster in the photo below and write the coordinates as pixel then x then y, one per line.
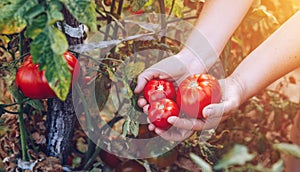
pixel 38 21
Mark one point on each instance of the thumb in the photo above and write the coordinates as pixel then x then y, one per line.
pixel 143 78
pixel 214 110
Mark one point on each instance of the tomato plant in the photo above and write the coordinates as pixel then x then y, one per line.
pixel 109 159
pixel 33 83
pixel 130 166
pixel 197 91
pixel 158 89
pixel 160 111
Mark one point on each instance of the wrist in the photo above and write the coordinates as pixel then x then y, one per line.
pixel 196 62
pixel 239 89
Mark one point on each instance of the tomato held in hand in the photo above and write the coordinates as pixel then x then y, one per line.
pixel 196 92
pixel 160 111
pixel 33 83
pixel 158 89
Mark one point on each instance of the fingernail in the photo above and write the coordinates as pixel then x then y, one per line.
pixel 172 119
pixel 207 112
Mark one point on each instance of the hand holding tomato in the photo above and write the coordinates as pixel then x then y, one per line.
pixel 232 96
pixel 33 83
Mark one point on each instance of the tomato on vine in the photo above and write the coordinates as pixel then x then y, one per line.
pixel 33 83
pixel 130 166
pixel 157 89
pixel 109 159
pixel 165 159
pixel 197 91
pixel 160 111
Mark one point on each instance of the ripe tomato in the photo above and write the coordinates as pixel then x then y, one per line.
pixel 138 12
pixel 158 89
pixel 33 83
pixel 160 111
pixel 109 159
pixel 196 92
pixel 130 166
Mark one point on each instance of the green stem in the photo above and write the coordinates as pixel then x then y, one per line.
pixel 12 104
pixel 98 149
pixel 7 111
pixel 91 144
pixel 22 133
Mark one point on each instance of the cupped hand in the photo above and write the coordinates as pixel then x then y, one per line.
pixel 232 92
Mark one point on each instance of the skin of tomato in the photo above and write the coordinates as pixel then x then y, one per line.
pixel 130 166
pixel 158 89
pixel 33 83
pixel 109 159
pixel 160 111
pixel 196 92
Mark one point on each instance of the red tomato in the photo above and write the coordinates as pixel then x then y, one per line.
pixel 110 159
pixel 196 92
pixel 33 83
pixel 158 89
pixel 138 12
pixel 160 111
pixel 130 166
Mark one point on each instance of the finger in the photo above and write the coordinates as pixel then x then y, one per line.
pixel 142 102
pixel 218 110
pixel 174 135
pixel 213 110
pixel 185 123
pixel 146 108
pixel 151 127
pixel 143 78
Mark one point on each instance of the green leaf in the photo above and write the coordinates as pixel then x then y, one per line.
pixel 287 148
pixel 36 26
pixel 138 4
pixel 19 97
pixel 278 166
pixel 205 167
pixel 177 8
pixel 59 43
pixel 238 155
pixel 47 50
pixel 102 90
pixel 132 70
pixel 14 15
pixel 83 11
pixel 36 104
pixel 134 128
pixel 54 12
pixel 125 127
